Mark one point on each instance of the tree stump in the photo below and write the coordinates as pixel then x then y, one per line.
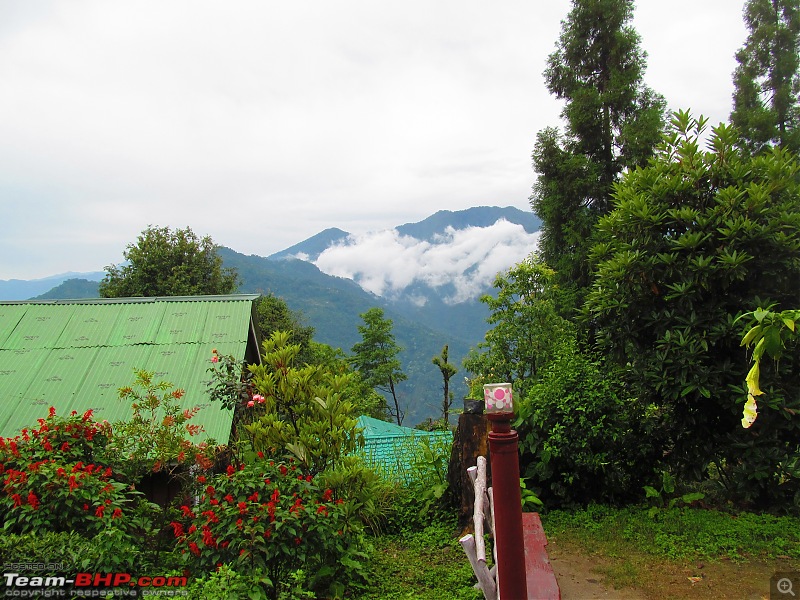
pixel 471 441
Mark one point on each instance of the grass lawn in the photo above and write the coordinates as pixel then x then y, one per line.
pixel 678 553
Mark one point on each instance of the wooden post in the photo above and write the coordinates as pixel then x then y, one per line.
pixel 507 509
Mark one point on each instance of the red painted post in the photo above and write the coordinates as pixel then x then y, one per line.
pixel 509 538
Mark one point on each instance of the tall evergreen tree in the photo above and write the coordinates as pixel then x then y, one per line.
pixel 766 97
pixel 612 123
pixel 375 357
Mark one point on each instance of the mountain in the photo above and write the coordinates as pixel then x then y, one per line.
pixel 426 276
pixel 478 216
pixel 311 248
pixel 72 289
pixel 20 289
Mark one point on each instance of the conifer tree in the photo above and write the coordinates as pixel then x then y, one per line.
pixel 766 97
pixel 375 357
pixel 612 123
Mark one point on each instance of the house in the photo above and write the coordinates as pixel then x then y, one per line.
pixel 76 354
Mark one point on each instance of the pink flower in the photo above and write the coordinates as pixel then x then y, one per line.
pixel 250 404
pixel 214 359
pixel 258 398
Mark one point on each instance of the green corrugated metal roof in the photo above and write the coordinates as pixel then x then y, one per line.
pixel 392 448
pixel 76 355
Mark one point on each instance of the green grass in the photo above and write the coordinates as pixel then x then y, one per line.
pixel 428 564
pixel 678 533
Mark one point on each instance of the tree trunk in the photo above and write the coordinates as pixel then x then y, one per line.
pixel 471 441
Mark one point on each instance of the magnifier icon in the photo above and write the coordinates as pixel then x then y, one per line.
pixel 784 586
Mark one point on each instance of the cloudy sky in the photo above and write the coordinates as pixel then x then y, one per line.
pixel 262 122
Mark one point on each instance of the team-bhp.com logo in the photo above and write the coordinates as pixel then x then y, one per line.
pixel 91 585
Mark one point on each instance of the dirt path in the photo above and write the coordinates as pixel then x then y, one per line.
pixel 586 577
pixel 578 578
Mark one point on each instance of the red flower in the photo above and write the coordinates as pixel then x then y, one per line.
pixel 201 478
pixel 64 447
pixel 87 415
pixel 194 548
pixel 17 500
pixel 229 498
pixel 208 539
pixel 117 513
pixel 33 500
pixel 322 510
pixel 177 528
pixel 242 507
pixel 210 490
pixel 99 512
pixel 52 412
pixel 212 516
pixel 230 470
pixel 239 523
pixel 85 507
pixel 187 512
pixel 72 483
pixel 275 495
pixel 297 541
pixel 283 470
pixel 260 454
pixel 327 495
pixel 253 497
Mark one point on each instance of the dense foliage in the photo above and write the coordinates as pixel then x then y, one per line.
pixel 166 262
pixel 695 239
pixel 270 519
pixel 527 333
pixel 581 438
pixel 304 411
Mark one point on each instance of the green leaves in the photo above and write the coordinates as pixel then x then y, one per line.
pixel 167 262
pixel 718 235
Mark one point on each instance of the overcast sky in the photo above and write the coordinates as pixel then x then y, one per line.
pixel 261 123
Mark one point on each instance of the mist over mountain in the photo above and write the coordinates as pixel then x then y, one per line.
pixel 426 276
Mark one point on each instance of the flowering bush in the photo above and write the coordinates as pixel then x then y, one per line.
pixel 54 477
pixel 156 437
pixel 270 518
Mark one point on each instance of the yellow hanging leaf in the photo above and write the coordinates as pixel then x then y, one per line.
pixel 752 381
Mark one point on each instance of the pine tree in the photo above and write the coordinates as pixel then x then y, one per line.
pixel 766 97
pixel 613 122
pixel 375 357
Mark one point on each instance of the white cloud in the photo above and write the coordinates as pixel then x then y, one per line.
pixel 386 263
